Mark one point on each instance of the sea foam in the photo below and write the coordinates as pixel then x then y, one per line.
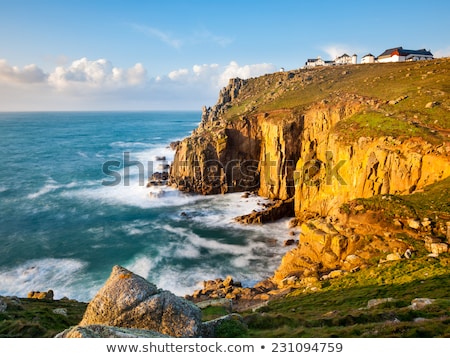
pixel 60 275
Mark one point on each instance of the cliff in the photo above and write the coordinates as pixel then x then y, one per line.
pixel 323 136
pixel 319 142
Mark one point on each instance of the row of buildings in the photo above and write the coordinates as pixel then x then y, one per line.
pixel 396 54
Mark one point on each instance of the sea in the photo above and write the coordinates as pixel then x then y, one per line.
pixel 74 202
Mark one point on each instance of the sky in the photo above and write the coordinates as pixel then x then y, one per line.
pixel 177 55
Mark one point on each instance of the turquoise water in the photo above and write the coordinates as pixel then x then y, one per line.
pixel 62 228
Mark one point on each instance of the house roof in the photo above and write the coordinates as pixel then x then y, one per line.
pixel 403 52
pixel 369 54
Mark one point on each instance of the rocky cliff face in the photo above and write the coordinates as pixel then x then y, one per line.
pixel 291 153
pixel 330 172
pixel 317 140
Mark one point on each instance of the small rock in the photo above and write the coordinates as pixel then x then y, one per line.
pixel 3 305
pixel 413 224
pixel 439 248
pixel 228 281
pixel 408 254
pixel 420 303
pixel 335 274
pixel 289 280
pixel 60 311
pixel 431 104
pixel 420 319
pixel 379 301
pixel 289 242
pixel 352 258
pixel 393 257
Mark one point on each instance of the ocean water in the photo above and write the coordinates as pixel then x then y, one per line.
pixel 63 225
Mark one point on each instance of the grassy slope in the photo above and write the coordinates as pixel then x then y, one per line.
pixel 30 318
pixel 340 309
pixel 417 83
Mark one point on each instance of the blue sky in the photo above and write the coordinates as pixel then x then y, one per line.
pixel 145 55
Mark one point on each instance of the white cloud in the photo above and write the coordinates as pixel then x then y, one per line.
pixel 444 52
pixel 201 36
pixel 13 74
pixel 100 74
pixel 205 36
pixel 136 75
pixel 234 70
pixel 337 50
pixel 178 74
pixel 158 34
pixel 99 85
pixel 218 76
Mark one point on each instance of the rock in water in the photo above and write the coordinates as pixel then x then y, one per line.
pixel 128 300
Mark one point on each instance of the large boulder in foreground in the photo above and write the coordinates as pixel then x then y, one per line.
pixel 129 301
pixel 100 331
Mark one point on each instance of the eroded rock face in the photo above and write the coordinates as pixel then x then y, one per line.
pixel 129 301
pixel 326 249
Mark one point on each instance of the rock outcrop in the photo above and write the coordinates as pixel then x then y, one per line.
pixel 37 295
pixel 102 331
pixel 326 251
pixel 129 301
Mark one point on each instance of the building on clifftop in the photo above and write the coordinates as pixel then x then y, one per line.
pixel 369 58
pixel 346 60
pixel 399 54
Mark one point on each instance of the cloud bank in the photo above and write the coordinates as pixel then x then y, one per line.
pixel 99 85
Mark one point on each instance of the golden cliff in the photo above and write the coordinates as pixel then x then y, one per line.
pixel 285 136
pixel 320 139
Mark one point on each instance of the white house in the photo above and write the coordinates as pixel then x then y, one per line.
pixel 341 60
pixel 314 62
pixel 369 58
pixel 346 60
pixel 399 54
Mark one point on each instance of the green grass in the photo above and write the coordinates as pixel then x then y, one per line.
pixel 432 202
pixel 296 90
pixel 340 310
pixel 35 318
pixel 212 312
pixel 377 124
